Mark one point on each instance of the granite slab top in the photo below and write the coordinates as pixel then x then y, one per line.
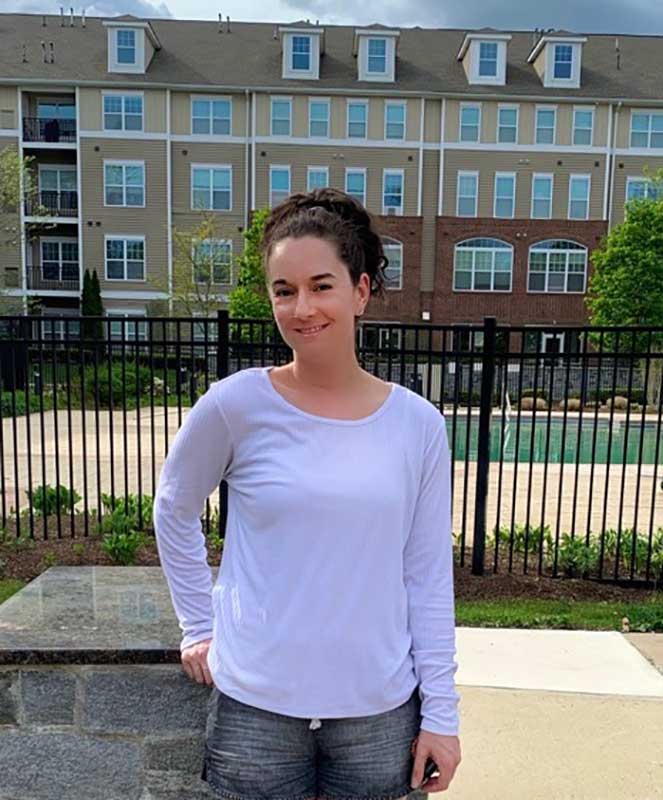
pixel 91 615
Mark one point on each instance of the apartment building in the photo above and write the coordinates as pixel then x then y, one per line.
pixel 493 161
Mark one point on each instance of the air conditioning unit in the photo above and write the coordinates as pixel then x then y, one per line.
pixel 391 211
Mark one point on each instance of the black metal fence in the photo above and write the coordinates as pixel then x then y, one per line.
pixel 555 433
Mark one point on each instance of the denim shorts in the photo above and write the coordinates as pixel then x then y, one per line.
pixel 254 754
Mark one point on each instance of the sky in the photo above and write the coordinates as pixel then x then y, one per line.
pixel 584 16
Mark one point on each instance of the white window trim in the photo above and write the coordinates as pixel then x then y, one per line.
pixel 578 176
pixel 492 250
pixel 120 315
pixel 508 107
pixel 650 112
pixel 355 101
pixel 550 81
pixel 466 173
pixel 401 104
pixel 401 173
pixel 399 246
pixel 547 272
pixel 352 170
pixel 583 109
pixel 542 107
pixel 124 237
pixel 474 55
pixel 327 102
pixel 362 35
pixel 372 72
pixel 215 240
pixel 279 99
pixel 460 122
pixel 291 53
pixel 513 205
pixel 116 162
pixel 60 240
pixel 113 64
pixel 311 169
pixel 288 41
pixel 272 168
pixel 195 166
pixel 117 92
pixel 210 98
pixel 535 176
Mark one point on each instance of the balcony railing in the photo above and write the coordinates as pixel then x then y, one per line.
pixel 37 129
pixel 52 204
pixel 51 275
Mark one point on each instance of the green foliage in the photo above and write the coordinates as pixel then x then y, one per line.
pixel 19 403
pixel 92 306
pixel 122 516
pixel 214 540
pixel 123 547
pixel 50 558
pixel 525 535
pixel 122 377
pixel 577 558
pixel 47 499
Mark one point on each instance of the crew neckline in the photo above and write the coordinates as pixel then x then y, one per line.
pixel 328 420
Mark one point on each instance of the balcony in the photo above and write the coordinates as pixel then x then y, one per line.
pixel 49 130
pixel 49 203
pixel 51 275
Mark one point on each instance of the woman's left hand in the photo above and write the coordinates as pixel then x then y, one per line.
pixel 445 752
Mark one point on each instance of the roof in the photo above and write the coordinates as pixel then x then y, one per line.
pixel 203 54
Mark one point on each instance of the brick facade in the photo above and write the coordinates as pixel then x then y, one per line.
pixel 519 306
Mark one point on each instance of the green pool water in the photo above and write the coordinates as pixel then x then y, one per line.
pixel 560 447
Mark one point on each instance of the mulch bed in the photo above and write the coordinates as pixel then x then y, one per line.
pixel 26 563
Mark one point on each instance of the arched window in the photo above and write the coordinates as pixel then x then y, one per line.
pixel 483 265
pixel 557 265
pixel 393 249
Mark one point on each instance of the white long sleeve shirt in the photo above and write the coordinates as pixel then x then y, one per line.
pixel 334 597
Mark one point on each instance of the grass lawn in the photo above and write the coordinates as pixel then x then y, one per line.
pixel 8 586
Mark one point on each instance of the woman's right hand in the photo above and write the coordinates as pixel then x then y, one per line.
pixel 194 662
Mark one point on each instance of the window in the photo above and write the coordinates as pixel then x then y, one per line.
pixel 211 188
pixel 281 113
pixel 317 178
pixel 59 259
pixel 545 125
pixel 579 196
pixel 318 118
pixel 392 191
pixel 126 46
pixel 394 120
pixel 488 59
pixel 507 124
pixel 62 328
pixel 125 258
pixel 393 273
pixel 123 112
pixel 542 190
pixel 470 123
pixel 563 62
pixel 646 130
pixel 125 328
pixel 505 194
pixel 212 261
pixel 279 184
pixel 124 183
pixel 583 125
pixel 467 191
pixel 301 53
pixel 355 184
pixel 642 189
pixel 385 336
pixel 211 117
pixel 357 115
pixel 483 265
pixel 377 56
pixel 556 265
pixel 58 192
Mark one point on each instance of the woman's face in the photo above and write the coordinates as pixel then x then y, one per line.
pixel 312 295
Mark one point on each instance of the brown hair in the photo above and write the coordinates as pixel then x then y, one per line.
pixel 340 219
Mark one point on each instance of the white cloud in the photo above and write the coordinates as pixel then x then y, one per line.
pixel 97 8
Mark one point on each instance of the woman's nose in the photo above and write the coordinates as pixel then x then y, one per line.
pixel 302 306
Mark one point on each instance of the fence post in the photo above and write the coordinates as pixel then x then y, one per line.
pixel 483 448
pixel 222 355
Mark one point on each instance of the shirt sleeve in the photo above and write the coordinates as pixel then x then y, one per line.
pixel 428 576
pixel 197 461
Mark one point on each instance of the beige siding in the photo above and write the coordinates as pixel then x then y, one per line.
pixel 601 121
pixel 154 110
pixel 90 109
pixel 262 115
pixel 633 167
pixel 489 122
pixel 337 159
pixel 429 209
pixel 526 122
pixel 8 108
pixel 149 51
pixel 487 164
pixel 540 63
pixel 466 62
pixel 299 125
pixel 413 125
pixel 226 227
pixel 180 112
pixel 150 221
pixel 623 138
pixel 432 121
pixel 10 265
pixel 339 116
pixel 451 121
pixel 563 134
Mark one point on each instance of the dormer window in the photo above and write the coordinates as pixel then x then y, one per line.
pixel 301 48
pixel 483 56
pixel 375 49
pixel 131 45
pixel 126 46
pixel 556 60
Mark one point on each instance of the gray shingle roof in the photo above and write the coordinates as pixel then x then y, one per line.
pixel 196 53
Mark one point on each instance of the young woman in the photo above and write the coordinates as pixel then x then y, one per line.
pixel 328 636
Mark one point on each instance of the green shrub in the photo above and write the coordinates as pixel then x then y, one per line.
pixel 122 547
pixel 19 403
pixel 127 507
pixel 575 557
pixel 48 500
pixel 123 378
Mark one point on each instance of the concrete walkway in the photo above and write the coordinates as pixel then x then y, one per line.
pixel 559 715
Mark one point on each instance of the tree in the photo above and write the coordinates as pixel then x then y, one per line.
pixel 626 287
pixel 92 306
pixel 249 299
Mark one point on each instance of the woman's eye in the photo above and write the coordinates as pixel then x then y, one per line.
pixel 323 286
